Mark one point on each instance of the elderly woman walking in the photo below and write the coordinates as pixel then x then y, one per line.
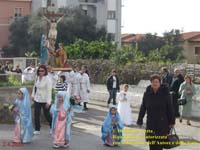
pixel 186 90
pixel 160 112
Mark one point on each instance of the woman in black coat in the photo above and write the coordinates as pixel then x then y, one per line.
pixel 160 112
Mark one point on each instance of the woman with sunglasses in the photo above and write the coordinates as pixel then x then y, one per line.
pixel 41 95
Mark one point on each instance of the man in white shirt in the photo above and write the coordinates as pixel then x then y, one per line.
pixel 53 76
pixel 29 73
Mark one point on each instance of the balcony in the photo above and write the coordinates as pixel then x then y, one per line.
pixel 88 2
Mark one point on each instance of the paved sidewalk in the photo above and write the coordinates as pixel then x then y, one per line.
pixel 86 134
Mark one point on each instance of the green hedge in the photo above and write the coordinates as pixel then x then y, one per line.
pixel 100 69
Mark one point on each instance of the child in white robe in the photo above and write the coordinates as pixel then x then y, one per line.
pixel 124 108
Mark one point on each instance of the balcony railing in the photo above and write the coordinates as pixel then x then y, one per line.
pixel 88 2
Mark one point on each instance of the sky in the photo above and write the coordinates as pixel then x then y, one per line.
pixel 159 16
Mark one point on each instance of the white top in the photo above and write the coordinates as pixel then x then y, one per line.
pixel 124 108
pixel 85 81
pixel 84 87
pixel 124 96
pixel 54 78
pixel 114 82
pixel 28 74
pixel 44 90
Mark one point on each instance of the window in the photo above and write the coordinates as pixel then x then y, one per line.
pixel 111 36
pixel 85 12
pixel 18 12
pixel 197 50
pixel 111 15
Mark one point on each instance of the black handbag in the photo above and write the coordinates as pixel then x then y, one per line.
pixel 172 140
pixel 35 89
pixel 182 101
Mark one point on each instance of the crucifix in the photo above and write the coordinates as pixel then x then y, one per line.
pixel 52 17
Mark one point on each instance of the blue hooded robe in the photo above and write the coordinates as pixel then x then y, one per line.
pixel 44 50
pixel 24 117
pixel 107 127
pixel 68 108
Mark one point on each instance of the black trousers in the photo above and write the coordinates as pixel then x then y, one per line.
pixel 85 104
pixel 112 96
pixel 37 113
pixel 175 98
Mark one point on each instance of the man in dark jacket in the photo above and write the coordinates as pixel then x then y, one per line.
pixel 175 88
pixel 166 77
pixel 112 84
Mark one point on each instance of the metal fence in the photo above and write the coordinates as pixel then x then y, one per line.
pixel 23 62
pixel 11 63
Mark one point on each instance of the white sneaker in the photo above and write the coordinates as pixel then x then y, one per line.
pixel 55 146
pixel 51 132
pixel 66 145
pixel 36 132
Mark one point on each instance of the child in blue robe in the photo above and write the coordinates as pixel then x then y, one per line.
pixel 112 128
pixel 23 131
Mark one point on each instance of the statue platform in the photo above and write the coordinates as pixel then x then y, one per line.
pixel 62 69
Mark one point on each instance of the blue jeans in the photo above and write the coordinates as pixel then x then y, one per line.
pixel 112 96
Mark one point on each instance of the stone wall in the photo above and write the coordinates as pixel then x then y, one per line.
pixel 9 94
pixel 131 73
pixel 98 93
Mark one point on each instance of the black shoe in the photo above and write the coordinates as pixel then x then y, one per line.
pixel 85 108
pixel 180 120
pixel 188 123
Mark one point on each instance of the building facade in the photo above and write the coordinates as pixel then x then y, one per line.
pixel 190 41
pixel 10 9
pixel 106 12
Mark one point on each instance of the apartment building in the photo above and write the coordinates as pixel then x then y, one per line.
pixel 106 12
pixel 10 9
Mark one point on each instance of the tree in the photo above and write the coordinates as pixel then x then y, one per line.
pixel 79 26
pixel 150 42
pixel 127 55
pixel 162 49
pixel 172 37
pixel 25 35
pixel 19 37
pixel 172 49
pixel 26 31
pixel 155 56
pixel 36 27
pixel 90 50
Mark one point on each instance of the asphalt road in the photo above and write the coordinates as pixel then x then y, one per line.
pixel 86 134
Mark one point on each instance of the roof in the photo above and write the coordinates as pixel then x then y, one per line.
pixel 21 0
pixel 188 36
pixel 131 38
pixel 191 36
